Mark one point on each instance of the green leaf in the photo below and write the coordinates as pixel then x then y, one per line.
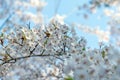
pixel 68 78
pixel 1 35
pixel 66 36
pixel 103 54
pixel 45 42
pixel 83 49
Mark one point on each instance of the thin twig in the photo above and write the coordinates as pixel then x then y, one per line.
pixel 18 43
pixel 9 55
pixel 6 21
pixel 57 6
pixel 42 52
pixel 29 25
pixel 31 52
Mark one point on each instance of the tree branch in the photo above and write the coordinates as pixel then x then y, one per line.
pixel 13 60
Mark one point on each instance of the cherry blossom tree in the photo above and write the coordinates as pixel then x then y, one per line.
pixel 53 51
pixel 56 53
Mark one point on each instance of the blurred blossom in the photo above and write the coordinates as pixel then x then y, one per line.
pixel 59 18
pixel 37 3
pixel 108 12
pixel 102 35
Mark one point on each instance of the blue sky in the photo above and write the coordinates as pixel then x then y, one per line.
pixel 70 9
pixel 67 7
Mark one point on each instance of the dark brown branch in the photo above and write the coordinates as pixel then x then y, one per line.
pixel 13 60
pixel 18 43
pixel 31 52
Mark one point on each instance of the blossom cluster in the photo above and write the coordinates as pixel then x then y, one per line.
pixel 98 64
pixel 54 52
